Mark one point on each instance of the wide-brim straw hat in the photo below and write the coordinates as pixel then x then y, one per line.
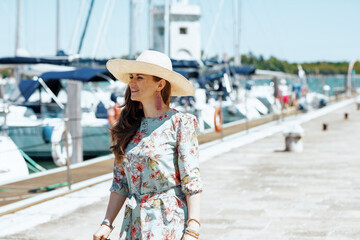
pixel 151 63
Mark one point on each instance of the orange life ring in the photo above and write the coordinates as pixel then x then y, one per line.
pixel 114 113
pixel 218 119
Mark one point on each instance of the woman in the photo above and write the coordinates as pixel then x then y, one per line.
pixel 156 171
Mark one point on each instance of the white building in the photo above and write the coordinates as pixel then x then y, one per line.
pixel 184 30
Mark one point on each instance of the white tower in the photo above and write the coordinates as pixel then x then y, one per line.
pixel 184 27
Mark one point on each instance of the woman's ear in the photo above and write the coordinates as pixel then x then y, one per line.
pixel 161 84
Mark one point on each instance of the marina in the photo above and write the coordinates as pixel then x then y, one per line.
pixel 30 186
pixel 279 195
pixel 276 106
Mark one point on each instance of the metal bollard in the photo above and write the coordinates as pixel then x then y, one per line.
pixel 293 138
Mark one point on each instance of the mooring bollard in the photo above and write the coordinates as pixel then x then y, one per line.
pixel 293 138
pixel 325 126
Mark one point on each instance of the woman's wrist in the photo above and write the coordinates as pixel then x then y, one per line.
pixel 107 223
pixel 194 226
pixel 193 222
pixel 193 233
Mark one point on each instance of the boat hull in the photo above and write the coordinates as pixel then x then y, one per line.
pixel 32 140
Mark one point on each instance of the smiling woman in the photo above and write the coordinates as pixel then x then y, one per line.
pixel 143 88
pixel 156 169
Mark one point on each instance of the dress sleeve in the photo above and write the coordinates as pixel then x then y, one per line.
pixel 119 183
pixel 188 155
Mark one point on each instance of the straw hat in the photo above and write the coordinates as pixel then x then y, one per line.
pixel 151 63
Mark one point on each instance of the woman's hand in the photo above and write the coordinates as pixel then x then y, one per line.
pixel 102 233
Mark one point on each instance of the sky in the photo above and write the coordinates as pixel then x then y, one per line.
pixel 296 31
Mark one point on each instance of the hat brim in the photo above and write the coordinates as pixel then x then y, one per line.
pixel 121 68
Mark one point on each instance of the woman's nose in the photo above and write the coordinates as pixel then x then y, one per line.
pixel 132 80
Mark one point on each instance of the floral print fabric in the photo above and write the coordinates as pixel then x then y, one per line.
pixel 160 168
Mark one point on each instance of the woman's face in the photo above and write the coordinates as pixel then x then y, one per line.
pixel 143 87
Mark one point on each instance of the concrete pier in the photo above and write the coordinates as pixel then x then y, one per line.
pixel 258 191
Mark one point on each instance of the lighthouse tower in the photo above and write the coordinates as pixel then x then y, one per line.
pixel 184 30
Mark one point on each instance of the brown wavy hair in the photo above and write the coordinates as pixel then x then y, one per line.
pixel 129 121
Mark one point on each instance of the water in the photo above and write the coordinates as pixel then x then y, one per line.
pixel 336 83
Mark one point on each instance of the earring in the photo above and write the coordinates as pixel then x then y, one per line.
pixel 140 105
pixel 158 101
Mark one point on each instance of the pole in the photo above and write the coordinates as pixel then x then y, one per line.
pixel 208 44
pixel 68 172
pixel 18 26
pixel 151 25
pixel 221 117
pixel 58 27
pixel 73 111
pixel 6 107
pixel 246 112
pixel 132 30
pixel 77 25
pixel 348 80
pixel 236 32
pixel 167 28
pixel 239 32
pixel 101 28
pixel 86 25
pixel 276 93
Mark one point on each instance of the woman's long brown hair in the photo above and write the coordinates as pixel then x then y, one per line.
pixel 129 121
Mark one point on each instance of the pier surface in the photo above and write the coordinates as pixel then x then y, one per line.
pixel 257 191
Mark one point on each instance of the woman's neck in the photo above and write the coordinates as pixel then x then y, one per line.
pixel 150 110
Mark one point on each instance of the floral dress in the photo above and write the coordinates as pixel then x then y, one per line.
pixel 161 167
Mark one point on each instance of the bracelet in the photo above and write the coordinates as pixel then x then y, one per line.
pixel 107 223
pixel 192 219
pixel 192 234
pixel 192 231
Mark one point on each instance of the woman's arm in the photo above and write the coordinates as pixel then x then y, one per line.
pixel 116 201
pixel 188 164
pixel 193 203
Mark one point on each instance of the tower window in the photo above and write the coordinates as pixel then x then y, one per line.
pixel 161 31
pixel 183 30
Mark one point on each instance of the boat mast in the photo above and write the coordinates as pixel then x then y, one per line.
pixel 86 24
pixel 132 30
pixel 100 32
pixel 18 26
pixel 77 25
pixel 167 28
pixel 57 27
pixel 237 32
pixel 221 3
pixel 151 25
